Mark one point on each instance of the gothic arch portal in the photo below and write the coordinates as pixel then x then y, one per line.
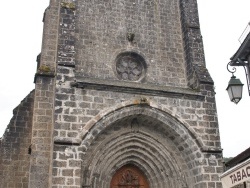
pixel 153 141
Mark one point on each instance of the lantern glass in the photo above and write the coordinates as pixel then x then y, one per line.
pixel 234 89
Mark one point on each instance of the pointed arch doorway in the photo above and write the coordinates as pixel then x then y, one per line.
pixel 129 176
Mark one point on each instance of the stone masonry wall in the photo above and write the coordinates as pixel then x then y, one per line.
pixel 88 89
pixel 77 109
pixel 101 34
pixel 88 121
pixel 70 27
pixel 193 45
pixel 14 146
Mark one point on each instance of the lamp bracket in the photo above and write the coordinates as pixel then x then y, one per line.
pixel 246 68
pixel 233 68
pixel 240 62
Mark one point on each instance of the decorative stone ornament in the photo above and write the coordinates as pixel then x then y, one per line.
pixel 130 66
pixel 130 37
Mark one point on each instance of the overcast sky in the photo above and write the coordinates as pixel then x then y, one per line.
pixel 222 23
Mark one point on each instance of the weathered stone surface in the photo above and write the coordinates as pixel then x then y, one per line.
pixel 15 144
pixel 112 100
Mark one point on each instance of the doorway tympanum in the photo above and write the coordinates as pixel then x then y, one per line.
pixel 129 176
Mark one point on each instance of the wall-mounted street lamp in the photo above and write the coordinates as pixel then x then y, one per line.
pixel 240 58
pixel 234 87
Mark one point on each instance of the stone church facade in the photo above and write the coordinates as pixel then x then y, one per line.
pixel 122 99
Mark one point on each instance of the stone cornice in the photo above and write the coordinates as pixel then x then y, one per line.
pixel 67 141
pixel 136 88
pixel 48 74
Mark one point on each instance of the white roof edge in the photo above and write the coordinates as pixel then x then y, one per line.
pixel 245 33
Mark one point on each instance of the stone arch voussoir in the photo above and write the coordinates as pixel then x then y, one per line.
pixel 139 134
pixel 135 102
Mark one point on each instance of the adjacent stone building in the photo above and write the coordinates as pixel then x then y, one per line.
pixel 122 99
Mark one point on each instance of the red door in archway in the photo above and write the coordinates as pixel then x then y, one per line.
pixel 129 176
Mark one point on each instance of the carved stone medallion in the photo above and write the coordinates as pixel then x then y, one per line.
pixel 130 66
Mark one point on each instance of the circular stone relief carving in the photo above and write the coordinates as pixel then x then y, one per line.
pixel 130 66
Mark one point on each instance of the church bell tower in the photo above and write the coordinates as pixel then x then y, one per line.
pixel 123 98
